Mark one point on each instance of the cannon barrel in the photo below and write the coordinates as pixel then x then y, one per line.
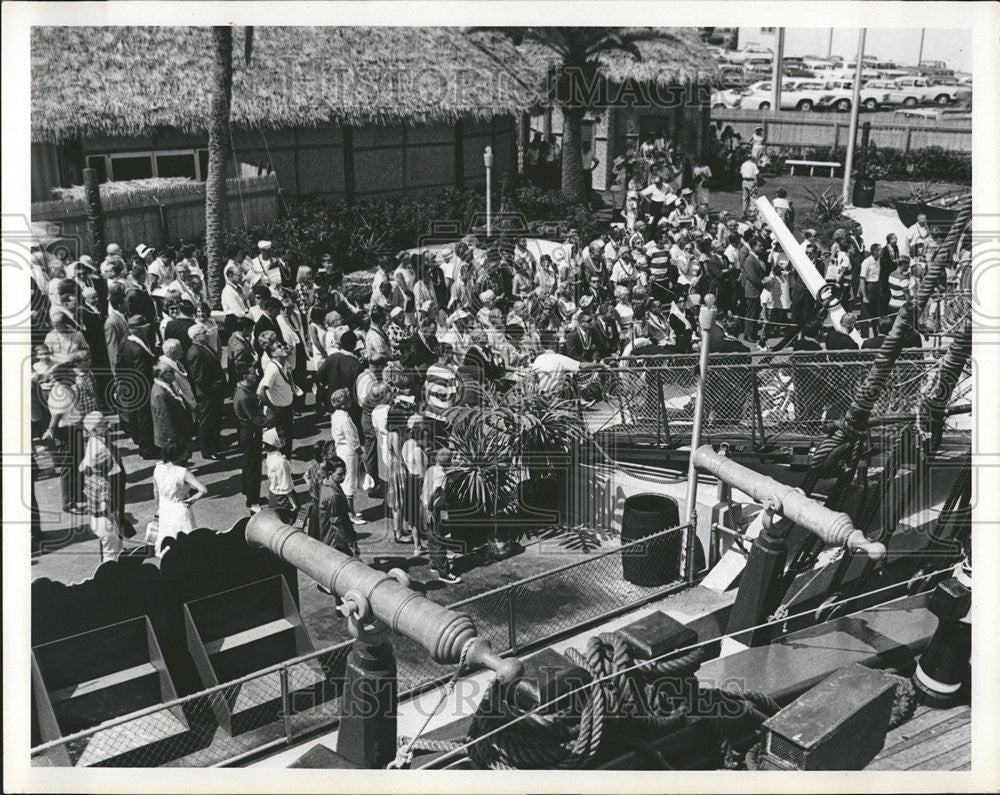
pixel 441 631
pixel 834 527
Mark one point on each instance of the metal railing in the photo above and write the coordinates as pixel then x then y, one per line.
pixel 762 401
pixel 279 705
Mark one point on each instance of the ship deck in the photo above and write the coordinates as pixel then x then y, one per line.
pixel 933 739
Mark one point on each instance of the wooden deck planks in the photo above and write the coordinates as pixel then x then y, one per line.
pixel 931 740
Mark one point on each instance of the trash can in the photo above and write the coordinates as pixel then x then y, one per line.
pixel 658 561
pixel 864 192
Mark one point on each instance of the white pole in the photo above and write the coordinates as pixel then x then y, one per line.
pixel 488 160
pixel 779 56
pixel 811 277
pixel 829 44
pixel 855 107
pixel 706 319
pixel 920 53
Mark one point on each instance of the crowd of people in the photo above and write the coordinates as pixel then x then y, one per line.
pixel 135 335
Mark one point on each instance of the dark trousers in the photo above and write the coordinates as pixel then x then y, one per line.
pixel 209 414
pixel 437 545
pixel 751 310
pixel 67 454
pixel 370 444
pixel 253 456
pixel 872 308
pixel 802 310
pixel 139 422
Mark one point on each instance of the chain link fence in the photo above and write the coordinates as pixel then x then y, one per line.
pixel 762 400
pixel 276 706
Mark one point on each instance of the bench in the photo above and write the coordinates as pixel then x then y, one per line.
pixel 813 165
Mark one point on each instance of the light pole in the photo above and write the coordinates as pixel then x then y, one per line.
pixel 920 52
pixel 776 69
pixel 855 106
pixel 488 160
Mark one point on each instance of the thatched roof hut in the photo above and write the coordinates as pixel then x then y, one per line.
pixel 126 81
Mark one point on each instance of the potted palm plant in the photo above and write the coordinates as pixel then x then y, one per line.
pixel 513 454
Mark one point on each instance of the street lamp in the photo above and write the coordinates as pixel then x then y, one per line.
pixel 488 160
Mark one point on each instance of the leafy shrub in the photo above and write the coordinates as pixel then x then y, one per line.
pixel 928 163
pixel 358 235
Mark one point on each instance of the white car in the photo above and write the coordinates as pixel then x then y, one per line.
pixel 911 91
pixel 741 56
pixel 795 94
pixel 727 98
pixel 839 95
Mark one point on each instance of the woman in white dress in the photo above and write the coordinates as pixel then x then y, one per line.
pixel 173 485
pixel 348 445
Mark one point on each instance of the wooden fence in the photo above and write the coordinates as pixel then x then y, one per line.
pixel 157 217
pixel 809 128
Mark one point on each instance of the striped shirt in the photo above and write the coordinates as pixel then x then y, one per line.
pixel 659 263
pixel 441 390
pixel 897 289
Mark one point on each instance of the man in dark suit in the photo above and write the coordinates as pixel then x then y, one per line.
pixel 752 274
pixel 579 343
pixel 268 321
pixel 134 375
pixel 138 301
pixel 209 382
pixel 423 345
pixel 171 416
pixel 837 340
pixel 728 394
pixel 241 352
pixel 888 260
pixel 250 421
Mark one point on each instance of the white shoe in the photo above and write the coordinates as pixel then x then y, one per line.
pixel 358 519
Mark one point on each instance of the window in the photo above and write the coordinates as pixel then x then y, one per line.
pixel 125 167
pixel 203 164
pixel 176 165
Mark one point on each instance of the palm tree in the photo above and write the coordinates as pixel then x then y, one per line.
pixel 574 82
pixel 219 147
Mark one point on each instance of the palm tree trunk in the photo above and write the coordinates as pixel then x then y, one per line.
pixel 574 187
pixel 219 146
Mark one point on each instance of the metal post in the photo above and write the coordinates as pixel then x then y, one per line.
pixel 920 52
pixel 829 44
pixel 779 56
pixel 706 319
pixel 286 706
pixel 855 107
pixel 511 622
pixel 488 159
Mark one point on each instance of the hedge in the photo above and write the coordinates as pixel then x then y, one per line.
pixel 928 163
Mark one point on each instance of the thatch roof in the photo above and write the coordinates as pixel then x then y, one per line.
pixel 128 81
pixel 677 58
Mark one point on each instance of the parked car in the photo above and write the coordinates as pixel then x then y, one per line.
pixel 930 68
pixel 796 70
pixel 741 56
pixel 797 95
pixel 839 95
pixel 911 91
pixel 727 98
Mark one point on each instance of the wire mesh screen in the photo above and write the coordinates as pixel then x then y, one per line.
pixel 761 399
pixel 304 695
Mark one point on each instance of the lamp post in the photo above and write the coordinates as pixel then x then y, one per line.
pixel 488 160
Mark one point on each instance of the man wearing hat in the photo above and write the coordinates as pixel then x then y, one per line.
pixel 134 374
pixel 85 274
pixel 262 263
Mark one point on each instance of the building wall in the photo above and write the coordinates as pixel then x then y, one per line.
pixel 310 162
pixel 684 114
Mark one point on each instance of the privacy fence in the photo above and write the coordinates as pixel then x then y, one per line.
pixel 810 128
pixel 159 215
